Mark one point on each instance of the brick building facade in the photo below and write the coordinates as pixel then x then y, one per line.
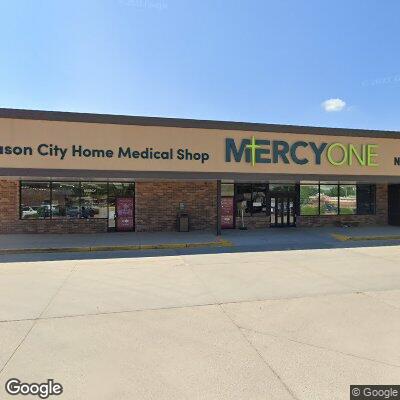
pixel 157 204
pixel 82 173
pixel 156 207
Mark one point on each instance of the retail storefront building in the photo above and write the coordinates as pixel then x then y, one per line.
pixel 72 173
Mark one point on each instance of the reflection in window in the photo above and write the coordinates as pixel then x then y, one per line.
pixel 65 200
pixel 123 189
pixel 309 199
pixel 35 200
pixel 259 198
pixel 282 188
pixel 227 189
pixel 329 199
pixel 72 199
pixel 94 200
pixel 348 199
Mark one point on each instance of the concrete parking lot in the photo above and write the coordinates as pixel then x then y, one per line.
pixel 200 324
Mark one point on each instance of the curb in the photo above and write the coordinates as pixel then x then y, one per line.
pixel 344 238
pixel 219 243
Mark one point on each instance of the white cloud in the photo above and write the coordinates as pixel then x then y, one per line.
pixel 333 105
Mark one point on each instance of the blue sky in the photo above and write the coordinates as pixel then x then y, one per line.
pixel 249 60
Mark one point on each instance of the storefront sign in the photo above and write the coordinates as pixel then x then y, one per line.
pixel 36 144
pixel 279 151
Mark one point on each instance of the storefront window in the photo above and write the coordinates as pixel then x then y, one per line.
pixel 66 200
pixel 72 199
pixel 35 200
pixel 259 198
pixel 278 188
pixel 366 199
pixel 121 189
pixel 329 200
pixel 309 199
pixel 227 189
pixel 94 200
pixel 348 199
pixel 243 199
pixel 251 198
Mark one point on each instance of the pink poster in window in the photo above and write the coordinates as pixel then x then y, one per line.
pixel 227 217
pixel 125 213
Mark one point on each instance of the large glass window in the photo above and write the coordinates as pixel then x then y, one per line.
pixel 243 198
pixel 309 199
pixel 366 202
pixel 251 198
pixel 329 204
pixel 72 199
pixel 259 198
pixel 94 200
pixel 66 200
pixel 227 189
pixel 278 188
pixel 121 189
pixel 348 199
pixel 334 199
pixel 35 200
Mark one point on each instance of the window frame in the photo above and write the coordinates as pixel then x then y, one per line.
pixel 338 185
pixel 64 218
pixel 20 199
pixel 252 184
pixel 319 200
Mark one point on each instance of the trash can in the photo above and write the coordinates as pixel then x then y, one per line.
pixel 183 222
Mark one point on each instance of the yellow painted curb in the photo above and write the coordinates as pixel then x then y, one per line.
pixel 341 238
pixel 218 243
pixel 344 238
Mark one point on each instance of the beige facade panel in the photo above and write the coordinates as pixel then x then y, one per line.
pixel 59 145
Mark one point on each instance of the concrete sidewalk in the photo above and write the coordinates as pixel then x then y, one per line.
pixel 261 239
pixel 106 241
pixel 284 325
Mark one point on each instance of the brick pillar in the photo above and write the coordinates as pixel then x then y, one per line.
pixel 382 204
pixel 9 205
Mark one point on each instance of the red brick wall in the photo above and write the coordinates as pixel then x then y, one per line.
pixel 256 221
pixel 10 222
pixel 157 204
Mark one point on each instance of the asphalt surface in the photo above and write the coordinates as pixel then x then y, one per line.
pixel 253 322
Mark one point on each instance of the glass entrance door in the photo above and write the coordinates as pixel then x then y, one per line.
pixel 283 211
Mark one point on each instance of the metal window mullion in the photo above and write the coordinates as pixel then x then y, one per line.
pixel 319 198
pixel 51 199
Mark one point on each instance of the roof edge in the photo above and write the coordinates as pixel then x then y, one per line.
pixel 66 116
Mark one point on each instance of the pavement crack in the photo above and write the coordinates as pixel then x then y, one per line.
pixel 209 304
pixel 367 294
pixel 317 347
pixel 35 320
pixel 267 364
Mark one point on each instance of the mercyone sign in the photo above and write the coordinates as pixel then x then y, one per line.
pixel 262 151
